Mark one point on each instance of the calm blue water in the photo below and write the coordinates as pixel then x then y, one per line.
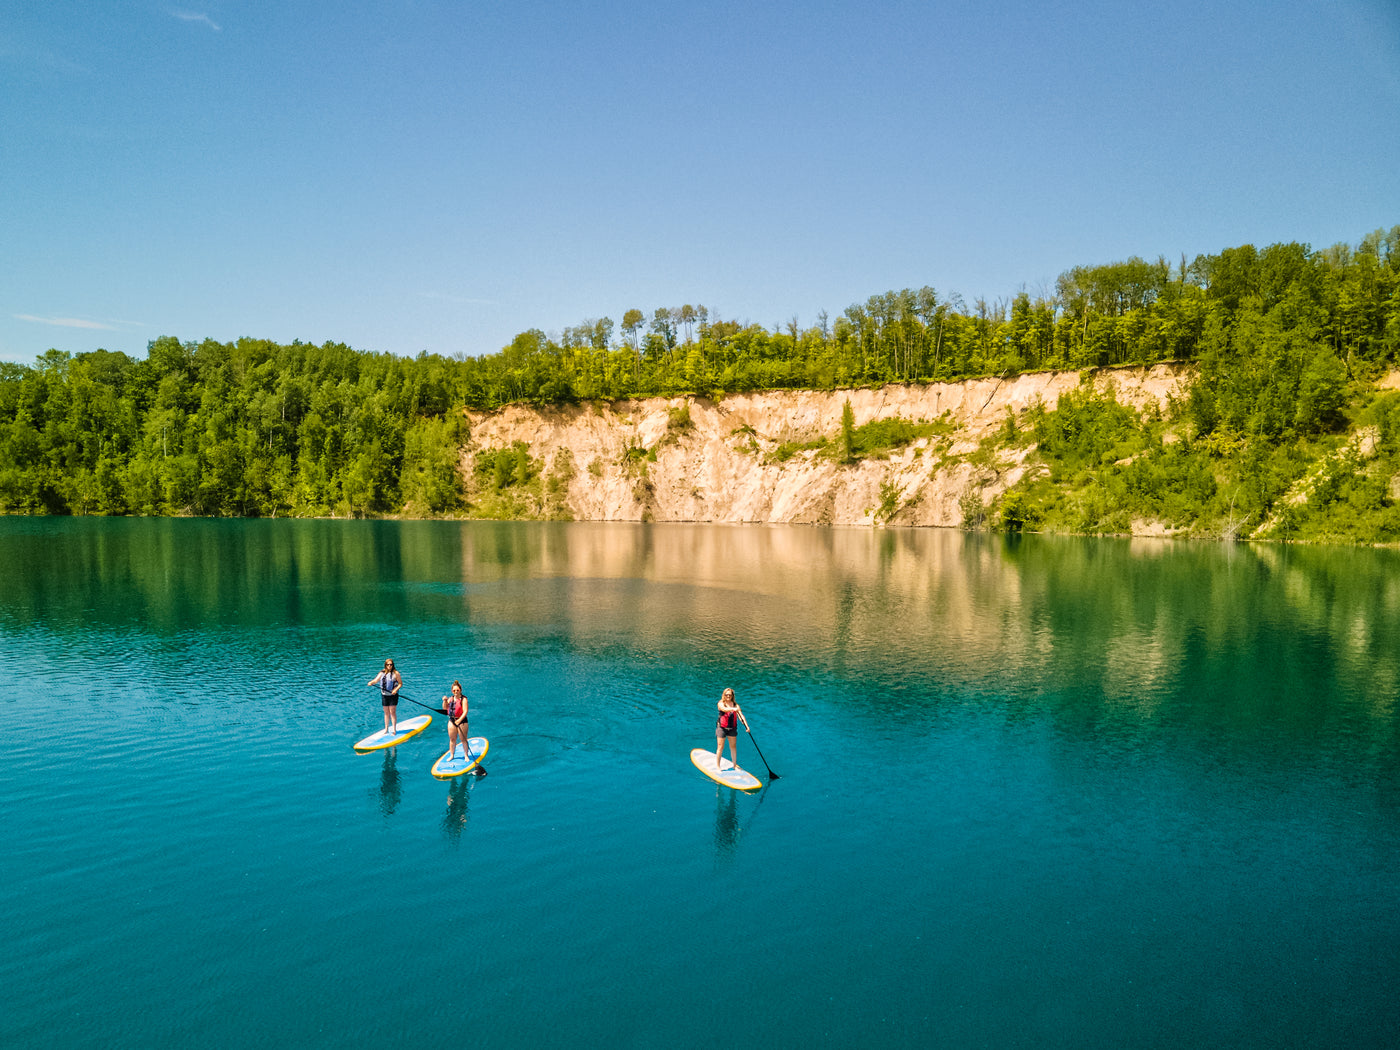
pixel 1034 793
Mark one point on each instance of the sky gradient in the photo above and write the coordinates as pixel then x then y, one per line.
pixel 418 175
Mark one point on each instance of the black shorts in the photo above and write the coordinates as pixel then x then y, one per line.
pixel 721 731
pixel 390 701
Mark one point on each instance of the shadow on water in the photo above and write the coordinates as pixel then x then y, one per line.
pixel 727 827
pixel 730 825
pixel 454 816
pixel 390 783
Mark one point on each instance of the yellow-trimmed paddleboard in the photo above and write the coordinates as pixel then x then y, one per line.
pixel 407 728
pixel 453 763
pixel 726 774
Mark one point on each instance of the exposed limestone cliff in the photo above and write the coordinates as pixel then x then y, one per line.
pixel 692 459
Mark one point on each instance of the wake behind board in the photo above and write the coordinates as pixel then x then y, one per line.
pixel 739 779
pixel 453 764
pixel 407 728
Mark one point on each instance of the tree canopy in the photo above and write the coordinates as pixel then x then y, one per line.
pixel 257 428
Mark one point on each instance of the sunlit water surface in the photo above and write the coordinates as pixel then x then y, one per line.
pixel 1039 793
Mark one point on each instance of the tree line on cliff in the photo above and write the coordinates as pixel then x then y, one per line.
pixel 1284 337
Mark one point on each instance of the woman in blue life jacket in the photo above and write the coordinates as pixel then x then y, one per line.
pixel 728 726
pixel 389 682
pixel 454 706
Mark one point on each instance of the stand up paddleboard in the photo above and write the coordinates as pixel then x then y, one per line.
pixel 453 763
pixel 407 728
pixel 726 774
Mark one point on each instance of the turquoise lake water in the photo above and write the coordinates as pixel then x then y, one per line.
pixel 1035 792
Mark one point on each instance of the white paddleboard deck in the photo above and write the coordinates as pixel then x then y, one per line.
pixel 454 763
pixel 726 774
pixel 407 728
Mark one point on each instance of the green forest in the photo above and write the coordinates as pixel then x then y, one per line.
pixel 1288 342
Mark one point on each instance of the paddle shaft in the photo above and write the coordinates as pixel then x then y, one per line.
pixel 771 774
pixel 466 747
pixel 435 710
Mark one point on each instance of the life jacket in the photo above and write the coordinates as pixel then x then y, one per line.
pixel 728 719
pixel 456 708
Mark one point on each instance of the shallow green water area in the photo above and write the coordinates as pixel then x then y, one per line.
pixel 1034 792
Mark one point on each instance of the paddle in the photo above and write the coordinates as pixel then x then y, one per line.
pixel 771 774
pixel 480 770
pixel 435 710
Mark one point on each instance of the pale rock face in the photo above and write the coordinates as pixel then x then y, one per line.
pixel 715 469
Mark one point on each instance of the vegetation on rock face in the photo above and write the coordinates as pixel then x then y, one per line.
pixel 509 483
pixel 879 437
pixel 1281 433
pixel 1099 467
pixel 873 440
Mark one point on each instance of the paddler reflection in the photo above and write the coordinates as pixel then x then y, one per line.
pixel 454 817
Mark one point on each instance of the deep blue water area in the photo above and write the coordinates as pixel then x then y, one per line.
pixel 1034 792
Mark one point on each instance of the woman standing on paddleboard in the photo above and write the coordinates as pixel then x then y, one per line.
pixel 455 707
pixel 728 726
pixel 389 682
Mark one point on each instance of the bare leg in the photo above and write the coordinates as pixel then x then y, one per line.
pixel 719 747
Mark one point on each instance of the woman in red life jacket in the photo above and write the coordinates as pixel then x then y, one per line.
pixel 389 681
pixel 728 726
pixel 455 707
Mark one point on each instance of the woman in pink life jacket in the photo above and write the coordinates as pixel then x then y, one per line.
pixel 455 707
pixel 728 726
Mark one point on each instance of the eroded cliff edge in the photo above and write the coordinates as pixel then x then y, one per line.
pixel 733 460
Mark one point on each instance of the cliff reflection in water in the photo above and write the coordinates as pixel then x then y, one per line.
pixel 1305 637
pixel 1133 622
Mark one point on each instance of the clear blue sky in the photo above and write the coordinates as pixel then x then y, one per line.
pixel 423 175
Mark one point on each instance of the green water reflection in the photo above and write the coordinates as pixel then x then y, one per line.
pixel 1130 621
pixel 1290 642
